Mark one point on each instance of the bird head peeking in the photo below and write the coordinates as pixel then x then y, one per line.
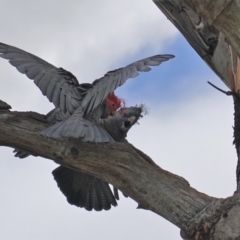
pixel 124 118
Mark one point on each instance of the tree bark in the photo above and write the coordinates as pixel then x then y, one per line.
pixel 120 164
pixel 223 15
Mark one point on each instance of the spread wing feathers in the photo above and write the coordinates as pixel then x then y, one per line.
pixel 56 115
pixel 83 190
pixel 20 153
pixel 115 191
pixel 113 79
pixel 60 86
pixel 77 127
pixel 116 195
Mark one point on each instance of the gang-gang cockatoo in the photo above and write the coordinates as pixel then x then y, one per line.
pixel 90 112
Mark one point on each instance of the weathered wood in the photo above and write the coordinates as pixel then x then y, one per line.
pixel 121 164
pixel 219 220
pixel 222 14
pixel 197 215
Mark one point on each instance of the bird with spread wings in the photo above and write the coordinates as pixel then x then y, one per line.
pixel 90 112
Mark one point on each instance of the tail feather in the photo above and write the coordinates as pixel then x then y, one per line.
pixel 106 191
pixel 84 190
pixel 115 191
pixel 95 201
pixel 22 153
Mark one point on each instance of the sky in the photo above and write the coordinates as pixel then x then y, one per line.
pixel 188 130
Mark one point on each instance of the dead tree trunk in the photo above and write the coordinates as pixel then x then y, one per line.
pixel 212 29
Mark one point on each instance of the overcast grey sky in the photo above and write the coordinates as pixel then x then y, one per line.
pixel 187 131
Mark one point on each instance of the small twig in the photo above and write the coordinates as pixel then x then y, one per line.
pixel 228 93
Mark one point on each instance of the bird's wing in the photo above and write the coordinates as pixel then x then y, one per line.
pixel 88 129
pixel 84 190
pixel 20 153
pixel 60 86
pixel 113 79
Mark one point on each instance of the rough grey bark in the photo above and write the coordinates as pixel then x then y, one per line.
pixel 223 15
pixel 126 167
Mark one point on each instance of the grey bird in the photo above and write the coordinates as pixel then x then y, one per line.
pixel 90 112
pixel 81 106
pixel 84 190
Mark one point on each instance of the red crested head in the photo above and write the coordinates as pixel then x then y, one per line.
pixel 114 102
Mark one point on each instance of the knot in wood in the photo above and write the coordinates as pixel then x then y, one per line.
pixel 74 152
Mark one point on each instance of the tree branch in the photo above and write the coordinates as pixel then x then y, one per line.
pixel 121 164
pixel 128 169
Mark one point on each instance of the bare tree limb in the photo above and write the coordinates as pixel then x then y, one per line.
pixel 128 169
pixel 121 164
